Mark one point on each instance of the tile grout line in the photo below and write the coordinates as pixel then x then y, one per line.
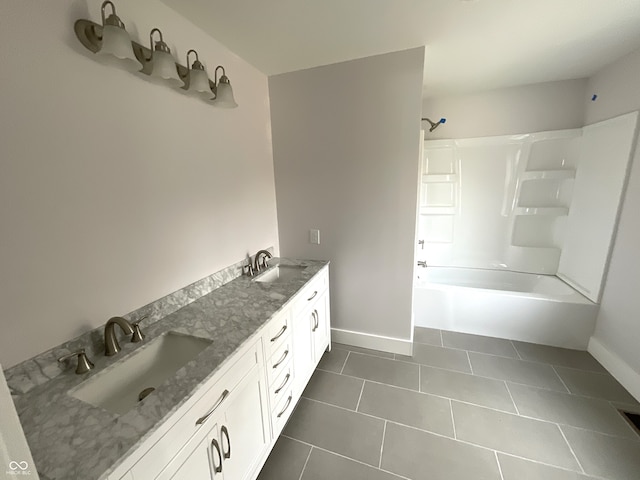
pixel 345 361
pixel 455 399
pixel 558 375
pixel 345 457
pixel 564 469
pixel 441 338
pixel 541 420
pixel 420 378
pixel 475 375
pixel 464 442
pixel 384 432
pixel 304 467
pixel 516 349
pixel 453 420
pixel 469 360
pixel 512 399
pixel 571 449
pixel 387 355
pixel 499 466
pixel 360 397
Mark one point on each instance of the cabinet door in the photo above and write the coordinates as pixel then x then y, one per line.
pixel 302 349
pixel 320 327
pixel 244 432
pixel 205 459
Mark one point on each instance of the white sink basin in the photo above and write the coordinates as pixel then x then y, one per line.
pixel 280 274
pixel 117 389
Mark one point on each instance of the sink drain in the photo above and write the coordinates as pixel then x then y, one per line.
pixel 145 393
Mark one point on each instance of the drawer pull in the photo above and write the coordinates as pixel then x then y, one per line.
pixel 280 333
pixel 286 379
pixel 218 468
pixel 315 292
pixel 279 362
pixel 316 322
pixel 225 432
pixel 285 407
pixel 204 418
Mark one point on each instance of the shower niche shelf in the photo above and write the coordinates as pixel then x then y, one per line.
pixel 439 193
pixel 542 199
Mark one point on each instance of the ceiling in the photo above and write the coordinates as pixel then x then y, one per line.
pixel 472 45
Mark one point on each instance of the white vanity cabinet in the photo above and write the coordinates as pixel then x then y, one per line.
pixel 311 328
pixel 236 441
pixel 231 417
pixel 228 427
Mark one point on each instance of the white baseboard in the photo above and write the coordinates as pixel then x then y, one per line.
pixel 375 342
pixel 627 376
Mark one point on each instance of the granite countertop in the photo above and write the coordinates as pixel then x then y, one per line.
pixel 71 439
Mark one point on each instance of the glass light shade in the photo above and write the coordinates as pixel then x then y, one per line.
pixel 224 96
pixel 116 49
pixel 164 69
pixel 199 84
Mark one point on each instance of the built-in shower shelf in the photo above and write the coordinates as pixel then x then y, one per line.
pixel 546 211
pixel 548 174
pixel 440 178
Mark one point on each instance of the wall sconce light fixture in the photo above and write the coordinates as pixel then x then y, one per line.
pixel 160 65
pixel 196 81
pixel 222 89
pixel 110 40
pixel 112 43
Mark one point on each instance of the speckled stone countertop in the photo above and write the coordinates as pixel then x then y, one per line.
pixel 71 439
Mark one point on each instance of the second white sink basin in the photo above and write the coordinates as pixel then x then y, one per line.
pixel 118 390
pixel 280 274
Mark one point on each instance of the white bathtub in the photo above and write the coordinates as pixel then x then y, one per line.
pixel 519 306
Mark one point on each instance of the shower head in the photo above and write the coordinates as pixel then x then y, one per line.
pixel 434 125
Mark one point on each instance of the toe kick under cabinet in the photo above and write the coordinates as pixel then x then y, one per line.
pixel 226 430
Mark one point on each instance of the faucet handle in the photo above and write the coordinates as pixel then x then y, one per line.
pixel 137 336
pixel 84 364
pixel 248 270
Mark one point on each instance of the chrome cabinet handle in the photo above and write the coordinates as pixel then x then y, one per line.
pixel 277 364
pixel 205 417
pixel 280 333
pixel 316 322
pixel 315 292
pixel 218 468
pixel 225 432
pixel 285 407
pixel 286 379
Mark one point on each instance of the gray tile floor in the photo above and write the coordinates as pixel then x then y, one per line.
pixel 462 407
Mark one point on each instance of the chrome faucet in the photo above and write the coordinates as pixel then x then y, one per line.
pixel 422 263
pixel 111 345
pixel 265 257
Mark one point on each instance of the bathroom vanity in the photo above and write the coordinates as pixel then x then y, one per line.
pixel 217 417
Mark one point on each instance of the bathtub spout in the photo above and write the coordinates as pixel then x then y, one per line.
pixel 422 263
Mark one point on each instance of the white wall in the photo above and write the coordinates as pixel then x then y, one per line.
pixel 114 191
pixel 617 336
pixel 529 108
pixel 346 155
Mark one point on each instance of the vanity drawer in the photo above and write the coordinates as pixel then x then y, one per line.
pixel 195 420
pixel 278 332
pixel 280 385
pixel 311 292
pixel 282 412
pixel 279 361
